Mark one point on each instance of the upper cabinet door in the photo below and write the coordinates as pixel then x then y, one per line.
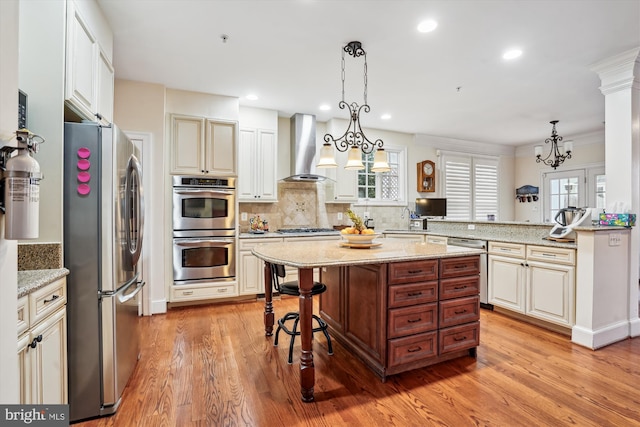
pixel 80 84
pixel 187 145
pixel 88 70
pixel 105 88
pixel 220 149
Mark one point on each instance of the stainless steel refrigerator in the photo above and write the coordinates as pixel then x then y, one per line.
pixel 103 223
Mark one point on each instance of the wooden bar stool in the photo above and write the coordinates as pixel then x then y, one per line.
pixel 291 288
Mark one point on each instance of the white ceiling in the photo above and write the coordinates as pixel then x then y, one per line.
pixel 288 52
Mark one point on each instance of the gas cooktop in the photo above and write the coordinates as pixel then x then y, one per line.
pixel 306 230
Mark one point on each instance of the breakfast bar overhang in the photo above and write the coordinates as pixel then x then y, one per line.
pixel 402 254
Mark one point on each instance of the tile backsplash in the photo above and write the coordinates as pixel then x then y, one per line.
pixel 300 204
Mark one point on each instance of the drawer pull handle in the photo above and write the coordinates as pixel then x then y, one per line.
pixel 460 338
pixel 222 290
pixel 460 266
pixel 461 312
pixel 415 271
pixel 414 349
pixel 460 287
pixel 53 298
pixel 35 341
pixel 551 255
pixel 414 294
pixel 414 320
pixel 187 293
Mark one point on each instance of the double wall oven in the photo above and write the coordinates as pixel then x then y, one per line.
pixel 204 230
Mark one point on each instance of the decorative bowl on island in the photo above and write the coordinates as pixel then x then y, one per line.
pixel 360 239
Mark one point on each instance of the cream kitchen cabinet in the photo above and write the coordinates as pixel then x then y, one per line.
pixel 417 237
pixel 437 240
pixel 343 187
pixel 89 75
pixel 42 345
pixel 538 281
pixel 202 146
pixel 251 274
pixel 258 149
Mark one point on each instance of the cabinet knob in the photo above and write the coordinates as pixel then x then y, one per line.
pixel 35 341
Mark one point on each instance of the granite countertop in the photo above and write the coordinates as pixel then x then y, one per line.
pixel 522 239
pixel 32 280
pixel 332 253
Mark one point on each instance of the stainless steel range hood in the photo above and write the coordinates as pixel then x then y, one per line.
pixel 303 149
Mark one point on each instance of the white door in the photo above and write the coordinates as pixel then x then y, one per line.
pixel 563 189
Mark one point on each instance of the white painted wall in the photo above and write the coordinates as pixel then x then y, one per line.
pixel 139 107
pixel 41 76
pixel 588 150
pixel 9 389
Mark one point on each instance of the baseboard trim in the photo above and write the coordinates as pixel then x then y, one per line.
pixel 600 337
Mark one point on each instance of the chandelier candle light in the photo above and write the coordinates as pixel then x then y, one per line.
pixel 559 153
pixel 354 138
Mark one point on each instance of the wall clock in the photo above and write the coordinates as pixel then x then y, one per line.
pixel 426 176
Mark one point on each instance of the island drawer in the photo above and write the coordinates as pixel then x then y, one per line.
pixel 412 349
pixel 459 266
pixel 413 293
pixel 459 287
pixel 457 311
pixel 412 320
pixel 414 271
pixel 459 338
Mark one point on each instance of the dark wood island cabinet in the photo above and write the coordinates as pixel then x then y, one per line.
pixel 401 316
pixel 398 306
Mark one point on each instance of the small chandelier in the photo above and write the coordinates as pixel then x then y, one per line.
pixel 559 153
pixel 354 138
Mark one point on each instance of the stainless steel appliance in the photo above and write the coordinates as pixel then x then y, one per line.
pixel 201 203
pixel 204 229
pixel 198 257
pixel 477 244
pixel 567 219
pixel 103 224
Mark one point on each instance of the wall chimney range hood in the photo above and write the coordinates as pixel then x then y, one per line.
pixel 303 149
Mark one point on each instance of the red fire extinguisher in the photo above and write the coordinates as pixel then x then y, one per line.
pixel 22 189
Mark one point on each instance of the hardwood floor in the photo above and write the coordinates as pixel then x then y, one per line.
pixel 212 365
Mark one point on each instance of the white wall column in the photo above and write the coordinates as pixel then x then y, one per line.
pixel 620 78
pixel 9 389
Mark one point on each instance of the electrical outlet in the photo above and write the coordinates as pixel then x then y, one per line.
pixel 471 226
pixel 339 216
pixel 243 216
pixel 615 239
pixel 366 215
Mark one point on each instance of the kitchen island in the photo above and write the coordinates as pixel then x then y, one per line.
pixel 417 271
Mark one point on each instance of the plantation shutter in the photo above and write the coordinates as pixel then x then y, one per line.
pixel 485 189
pixel 457 181
pixel 470 186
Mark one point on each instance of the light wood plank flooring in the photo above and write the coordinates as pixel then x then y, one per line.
pixel 211 365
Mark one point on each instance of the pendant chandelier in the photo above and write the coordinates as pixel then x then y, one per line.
pixel 558 154
pixel 354 138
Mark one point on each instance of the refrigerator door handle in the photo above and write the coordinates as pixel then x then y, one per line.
pixel 122 298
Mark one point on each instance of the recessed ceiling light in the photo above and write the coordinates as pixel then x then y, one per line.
pixel 252 97
pixel 325 107
pixel 512 54
pixel 385 116
pixel 427 26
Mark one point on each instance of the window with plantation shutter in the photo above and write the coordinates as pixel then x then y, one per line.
pixel 485 188
pixel 470 186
